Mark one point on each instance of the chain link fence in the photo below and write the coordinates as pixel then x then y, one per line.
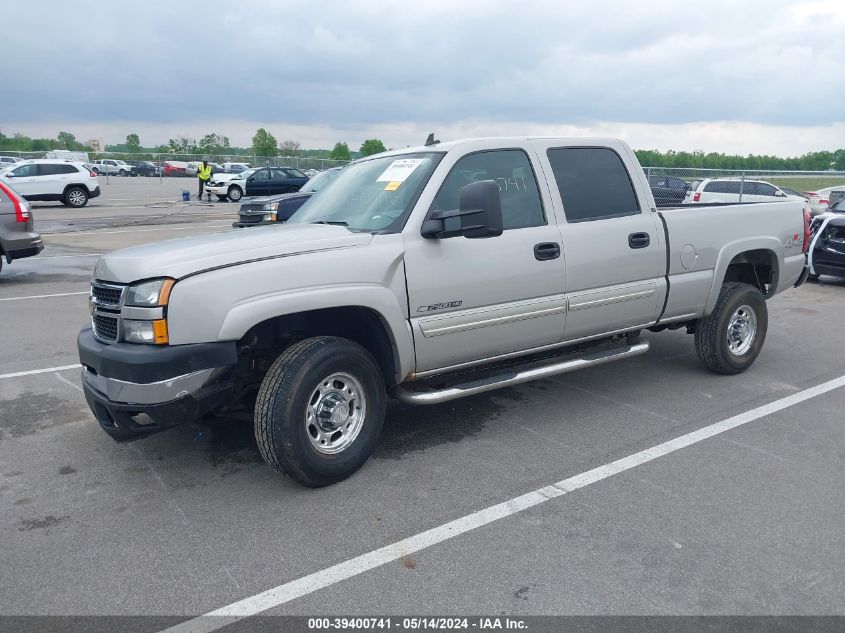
pixel 673 186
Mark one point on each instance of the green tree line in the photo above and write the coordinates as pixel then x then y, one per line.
pixel 265 144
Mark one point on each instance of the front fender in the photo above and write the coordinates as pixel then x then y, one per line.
pixel 731 250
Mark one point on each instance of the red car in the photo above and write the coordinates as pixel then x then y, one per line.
pixel 174 168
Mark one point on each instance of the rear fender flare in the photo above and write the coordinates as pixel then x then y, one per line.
pixel 731 250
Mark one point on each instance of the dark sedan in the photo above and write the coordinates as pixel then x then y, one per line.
pixel 668 190
pixel 279 208
pixel 144 168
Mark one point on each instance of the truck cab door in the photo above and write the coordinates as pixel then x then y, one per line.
pixel 471 300
pixel 613 242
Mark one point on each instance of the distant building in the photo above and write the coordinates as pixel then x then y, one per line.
pixel 97 144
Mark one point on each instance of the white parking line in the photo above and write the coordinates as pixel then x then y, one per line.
pixel 32 372
pixel 58 294
pixel 354 566
pixel 164 228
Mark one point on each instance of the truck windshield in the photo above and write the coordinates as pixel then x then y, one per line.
pixel 372 195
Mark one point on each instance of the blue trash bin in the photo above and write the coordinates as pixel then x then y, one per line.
pixel 186 196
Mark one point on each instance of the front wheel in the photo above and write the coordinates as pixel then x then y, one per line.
pixel 235 193
pixel 122 172
pixel 320 410
pixel 729 340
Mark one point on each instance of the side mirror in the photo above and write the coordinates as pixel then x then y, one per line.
pixel 479 214
pixel 780 194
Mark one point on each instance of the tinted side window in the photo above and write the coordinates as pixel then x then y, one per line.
pixel 262 175
pixel 295 173
pixel 512 172
pixel 766 189
pixel 593 183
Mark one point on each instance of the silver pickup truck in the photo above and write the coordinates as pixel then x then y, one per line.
pixel 428 274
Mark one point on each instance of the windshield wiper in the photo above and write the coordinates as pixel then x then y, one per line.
pixel 332 222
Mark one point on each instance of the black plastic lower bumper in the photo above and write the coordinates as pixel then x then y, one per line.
pixel 149 372
pixel 125 421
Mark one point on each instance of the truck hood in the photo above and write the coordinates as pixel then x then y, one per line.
pixel 185 256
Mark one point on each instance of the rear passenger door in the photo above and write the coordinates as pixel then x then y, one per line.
pixel 612 242
pixel 54 177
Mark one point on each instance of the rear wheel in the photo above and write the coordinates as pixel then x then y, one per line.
pixel 729 340
pixel 76 197
pixel 235 193
pixel 320 410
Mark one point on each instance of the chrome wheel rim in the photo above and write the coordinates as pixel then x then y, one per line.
pixel 335 413
pixel 742 329
pixel 235 194
pixel 76 197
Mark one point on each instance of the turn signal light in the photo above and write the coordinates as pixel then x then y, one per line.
pixel 160 332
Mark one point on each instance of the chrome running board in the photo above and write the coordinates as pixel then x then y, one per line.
pixel 514 376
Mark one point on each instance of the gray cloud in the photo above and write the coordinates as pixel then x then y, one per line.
pixel 370 63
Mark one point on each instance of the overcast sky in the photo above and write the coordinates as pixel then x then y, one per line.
pixel 751 76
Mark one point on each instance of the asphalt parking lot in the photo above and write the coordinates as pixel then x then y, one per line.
pixel 748 521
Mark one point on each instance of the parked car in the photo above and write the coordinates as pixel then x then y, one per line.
pixel 111 167
pixel 668 190
pixel 18 238
pixel 233 168
pixel 5 161
pixel 819 199
pixel 731 190
pixel 174 168
pixel 835 197
pixel 430 273
pixel 143 168
pixel 72 184
pixel 827 246
pixel 263 181
pixel 279 208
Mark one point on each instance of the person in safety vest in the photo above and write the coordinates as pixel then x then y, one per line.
pixel 203 175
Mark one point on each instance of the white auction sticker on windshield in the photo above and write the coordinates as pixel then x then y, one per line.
pixel 399 170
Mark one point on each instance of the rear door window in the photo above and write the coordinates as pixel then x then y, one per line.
pixel 593 183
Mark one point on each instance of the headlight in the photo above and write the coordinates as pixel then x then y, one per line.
pixel 152 332
pixel 271 206
pixel 149 293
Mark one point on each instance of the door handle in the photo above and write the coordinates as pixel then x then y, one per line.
pixel 547 250
pixel 639 240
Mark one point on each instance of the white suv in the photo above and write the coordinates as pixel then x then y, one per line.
pixel 734 190
pixel 72 184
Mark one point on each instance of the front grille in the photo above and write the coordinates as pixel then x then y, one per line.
pixel 105 327
pixel 106 295
pixel 251 207
pixel 251 218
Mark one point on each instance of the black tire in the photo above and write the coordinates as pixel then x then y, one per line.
pixel 292 387
pixel 222 198
pixel 76 197
pixel 712 340
pixel 235 193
